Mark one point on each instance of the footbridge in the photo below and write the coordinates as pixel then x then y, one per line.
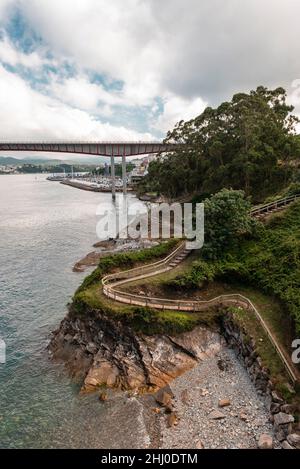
pixel 113 150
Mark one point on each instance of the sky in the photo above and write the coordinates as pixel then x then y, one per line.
pixel 130 69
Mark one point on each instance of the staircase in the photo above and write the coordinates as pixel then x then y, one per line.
pixel 272 207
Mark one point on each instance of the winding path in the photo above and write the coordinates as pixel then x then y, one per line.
pixel 112 282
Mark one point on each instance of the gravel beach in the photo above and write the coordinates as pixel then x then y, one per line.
pixel 236 421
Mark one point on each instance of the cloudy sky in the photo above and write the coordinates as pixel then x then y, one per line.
pixel 130 69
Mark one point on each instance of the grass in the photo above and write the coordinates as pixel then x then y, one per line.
pixel 89 298
pixel 146 320
pixel 269 261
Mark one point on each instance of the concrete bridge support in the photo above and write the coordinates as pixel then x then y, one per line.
pixel 124 176
pixel 113 177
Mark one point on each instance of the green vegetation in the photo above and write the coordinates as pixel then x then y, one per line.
pixel 247 143
pixel 269 260
pixel 226 218
pixel 265 350
pixel 89 297
pixel 126 260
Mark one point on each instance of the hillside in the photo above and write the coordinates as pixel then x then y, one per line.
pixel 269 260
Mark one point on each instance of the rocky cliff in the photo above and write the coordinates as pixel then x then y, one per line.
pixel 100 351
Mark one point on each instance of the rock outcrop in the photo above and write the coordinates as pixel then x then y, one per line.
pixel 101 351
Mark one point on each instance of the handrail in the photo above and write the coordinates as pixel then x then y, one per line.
pixel 111 281
pixel 199 305
pixel 275 204
pixel 165 260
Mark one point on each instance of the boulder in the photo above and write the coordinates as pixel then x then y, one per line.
pixel 164 399
pixel 275 408
pixel 276 397
pixel 280 435
pixel 265 441
pixel 199 445
pixel 92 348
pixel 287 408
pixel 282 419
pixel 156 410
pixel 216 415
pixel 172 419
pixel 224 402
pixel 294 440
pixel 286 445
pixel 184 396
pixel 103 396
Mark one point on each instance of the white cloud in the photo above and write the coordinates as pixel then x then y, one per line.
pixel 176 109
pixel 209 48
pixel 119 39
pixel 27 114
pixel 12 56
pixel 4 4
pixel 186 53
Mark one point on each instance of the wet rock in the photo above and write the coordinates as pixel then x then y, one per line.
pixel 265 441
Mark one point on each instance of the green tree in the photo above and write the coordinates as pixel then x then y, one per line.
pixel 227 218
pixel 247 143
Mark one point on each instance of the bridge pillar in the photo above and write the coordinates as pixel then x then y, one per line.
pixel 113 177
pixel 124 174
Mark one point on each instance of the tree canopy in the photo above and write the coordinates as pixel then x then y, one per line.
pixel 246 143
pixel 227 217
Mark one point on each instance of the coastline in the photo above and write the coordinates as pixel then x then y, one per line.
pixel 84 187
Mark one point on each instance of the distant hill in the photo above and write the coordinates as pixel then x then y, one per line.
pixel 9 160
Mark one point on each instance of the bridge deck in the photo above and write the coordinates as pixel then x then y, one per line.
pixel 116 149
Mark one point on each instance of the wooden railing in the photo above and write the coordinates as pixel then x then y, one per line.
pixel 112 281
pixel 274 205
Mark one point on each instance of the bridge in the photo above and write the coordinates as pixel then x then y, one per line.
pixel 109 149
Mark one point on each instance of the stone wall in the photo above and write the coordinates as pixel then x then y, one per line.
pixel 281 413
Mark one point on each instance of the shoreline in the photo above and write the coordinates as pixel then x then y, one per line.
pixel 79 185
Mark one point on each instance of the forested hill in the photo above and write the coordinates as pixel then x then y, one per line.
pixel 248 143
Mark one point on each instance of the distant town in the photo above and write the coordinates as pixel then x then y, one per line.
pixel 136 169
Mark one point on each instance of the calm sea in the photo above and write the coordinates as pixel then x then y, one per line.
pixel 45 228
